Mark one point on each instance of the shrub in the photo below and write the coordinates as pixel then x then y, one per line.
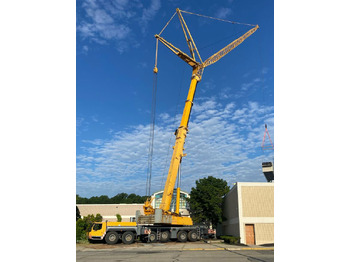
pixel 83 226
pixel 230 239
pixel 98 218
pixel 81 230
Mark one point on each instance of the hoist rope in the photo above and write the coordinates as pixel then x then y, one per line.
pixel 156 58
pixel 179 177
pixel 219 19
pixel 152 125
pixel 167 159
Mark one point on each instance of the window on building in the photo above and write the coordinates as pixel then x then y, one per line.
pixel 183 202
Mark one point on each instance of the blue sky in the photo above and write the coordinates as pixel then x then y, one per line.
pixel 115 49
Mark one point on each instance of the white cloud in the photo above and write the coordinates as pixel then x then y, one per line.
pixel 82 125
pixel 265 70
pixel 110 22
pixel 94 118
pixel 164 117
pixel 223 141
pixel 149 13
pixel 101 25
pixel 85 49
pixel 80 121
pixel 254 82
pixel 223 12
pixel 226 93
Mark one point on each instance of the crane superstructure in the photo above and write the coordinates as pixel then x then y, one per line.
pixel 163 215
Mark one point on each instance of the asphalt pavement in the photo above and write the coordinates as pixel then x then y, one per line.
pixel 188 246
pixel 173 251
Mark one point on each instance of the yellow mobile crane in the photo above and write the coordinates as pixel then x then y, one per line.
pixel 160 223
pixel 163 215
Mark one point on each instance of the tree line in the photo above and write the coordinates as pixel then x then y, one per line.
pixel 206 201
pixel 121 198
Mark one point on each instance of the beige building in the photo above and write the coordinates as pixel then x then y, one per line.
pixel 109 211
pixel 249 213
pixel 127 211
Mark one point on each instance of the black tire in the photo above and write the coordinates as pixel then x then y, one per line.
pixel 128 237
pixel 182 236
pixel 152 237
pixel 112 238
pixel 164 236
pixel 192 235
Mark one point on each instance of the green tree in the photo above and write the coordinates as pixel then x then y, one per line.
pixel 98 218
pixel 77 214
pixel 103 200
pixel 81 229
pixel 121 198
pixel 83 225
pixel 81 200
pixel 132 198
pixel 119 218
pixel 206 200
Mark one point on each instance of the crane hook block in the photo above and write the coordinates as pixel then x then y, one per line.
pixel 155 70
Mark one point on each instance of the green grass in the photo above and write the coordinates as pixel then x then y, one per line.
pixel 230 239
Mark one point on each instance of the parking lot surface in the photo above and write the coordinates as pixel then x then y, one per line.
pixel 173 251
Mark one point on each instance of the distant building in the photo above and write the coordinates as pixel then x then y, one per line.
pixel 109 211
pixel 249 213
pixel 127 211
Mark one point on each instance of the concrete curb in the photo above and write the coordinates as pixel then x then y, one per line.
pixel 234 247
pixel 251 248
pixel 228 248
pixel 196 249
pixel 187 249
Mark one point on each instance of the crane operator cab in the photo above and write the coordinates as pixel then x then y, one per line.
pixel 97 231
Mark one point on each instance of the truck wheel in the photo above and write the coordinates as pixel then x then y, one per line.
pixel 164 236
pixel 152 237
pixel 182 236
pixel 128 237
pixel 112 238
pixel 192 235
